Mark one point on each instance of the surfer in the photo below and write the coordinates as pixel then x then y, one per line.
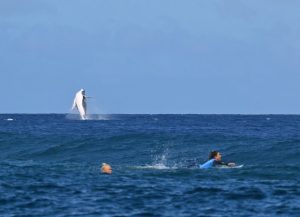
pixel 106 168
pixel 215 160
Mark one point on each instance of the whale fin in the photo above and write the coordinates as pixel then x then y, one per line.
pixel 74 104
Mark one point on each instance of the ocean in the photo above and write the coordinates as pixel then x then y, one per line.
pixel 50 165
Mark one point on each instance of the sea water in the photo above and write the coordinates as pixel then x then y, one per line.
pixel 50 165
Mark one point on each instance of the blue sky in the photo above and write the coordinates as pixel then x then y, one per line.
pixel 141 56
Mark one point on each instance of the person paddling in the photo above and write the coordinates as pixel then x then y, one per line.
pixel 215 160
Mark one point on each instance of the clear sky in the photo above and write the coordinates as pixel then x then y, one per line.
pixel 151 56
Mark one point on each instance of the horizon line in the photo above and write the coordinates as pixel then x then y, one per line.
pixel 55 113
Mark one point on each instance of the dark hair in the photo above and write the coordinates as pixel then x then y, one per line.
pixel 212 154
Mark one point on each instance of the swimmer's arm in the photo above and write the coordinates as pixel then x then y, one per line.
pixel 221 163
pixel 231 164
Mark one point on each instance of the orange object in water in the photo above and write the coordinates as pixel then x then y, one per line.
pixel 106 168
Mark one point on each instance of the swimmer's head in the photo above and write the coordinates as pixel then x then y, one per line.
pixel 106 168
pixel 215 155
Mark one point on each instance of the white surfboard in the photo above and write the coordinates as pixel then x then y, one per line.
pixel 230 167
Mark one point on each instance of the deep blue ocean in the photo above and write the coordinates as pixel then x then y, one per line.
pixel 50 165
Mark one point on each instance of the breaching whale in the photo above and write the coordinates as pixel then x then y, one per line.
pixel 80 103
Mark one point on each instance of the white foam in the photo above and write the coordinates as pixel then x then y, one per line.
pixel 98 117
pixel 160 162
pixel 155 166
pixel 92 117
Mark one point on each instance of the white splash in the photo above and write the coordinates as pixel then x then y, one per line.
pixel 97 117
pixel 160 163
pixel 156 166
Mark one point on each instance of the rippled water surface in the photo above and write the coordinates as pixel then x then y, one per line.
pixel 50 165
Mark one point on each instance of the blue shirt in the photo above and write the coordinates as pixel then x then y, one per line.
pixel 211 163
pixel 207 164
